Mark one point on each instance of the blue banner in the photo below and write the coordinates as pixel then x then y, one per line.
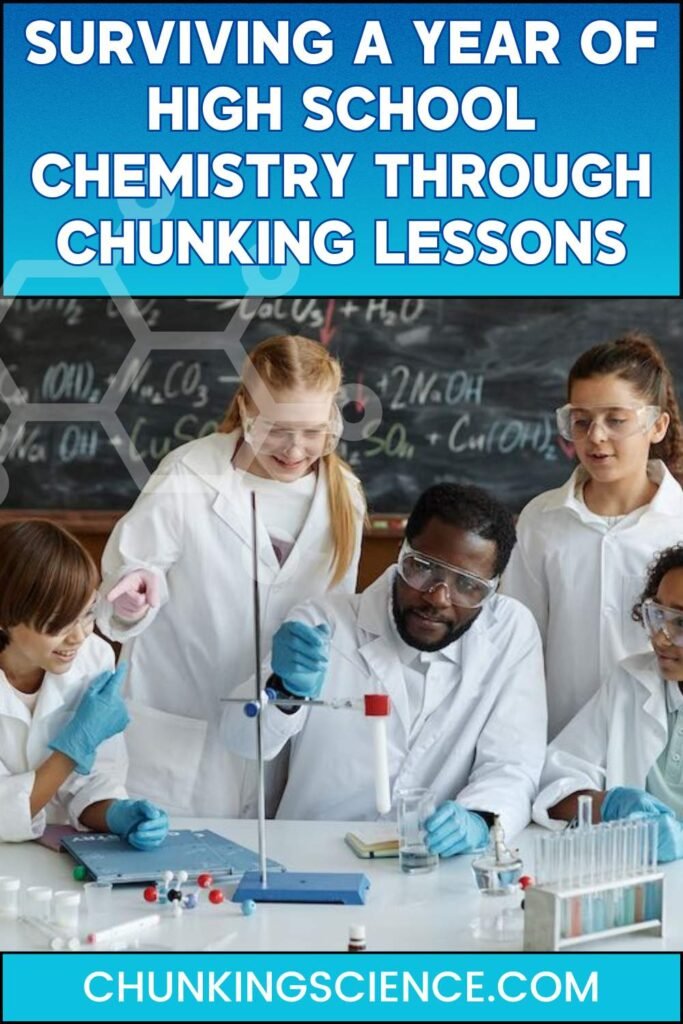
pixel 341 149
pixel 377 987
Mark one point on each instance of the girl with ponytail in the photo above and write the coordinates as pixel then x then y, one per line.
pixel 583 548
pixel 279 366
pixel 178 568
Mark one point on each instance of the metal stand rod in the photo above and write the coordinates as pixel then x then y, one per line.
pixel 342 703
pixel 259 723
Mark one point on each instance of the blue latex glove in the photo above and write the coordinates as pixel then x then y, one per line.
pixel 627 802
pixel 453 829
pixel 300 657
pixel 100 715
pixel 669 838
pixel 139 822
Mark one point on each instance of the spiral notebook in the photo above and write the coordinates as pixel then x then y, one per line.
pixel 108 858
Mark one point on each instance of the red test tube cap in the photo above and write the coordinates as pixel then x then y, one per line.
pixel 377 705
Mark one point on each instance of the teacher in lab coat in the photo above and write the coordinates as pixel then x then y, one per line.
pixel 177 568
pixel 462 666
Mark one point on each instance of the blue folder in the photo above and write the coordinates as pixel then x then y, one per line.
pixel 108 858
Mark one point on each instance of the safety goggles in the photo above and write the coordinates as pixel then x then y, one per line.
pixel 660 619
pixel 269 438
pixel 574 423
pixel 85 622
pixel 426 574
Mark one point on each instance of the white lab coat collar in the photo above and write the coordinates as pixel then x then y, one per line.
pixel 53 695
pixel 211 461
pixel 380 651
pixel 667 501
pixel 644 669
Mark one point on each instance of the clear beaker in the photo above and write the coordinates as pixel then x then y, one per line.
pixel 413 807
pixel 97 898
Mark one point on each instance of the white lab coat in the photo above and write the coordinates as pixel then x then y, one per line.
pixel 581 580
pixel 483 744
pixel 192 527
pixel 614 740
pixel 24 739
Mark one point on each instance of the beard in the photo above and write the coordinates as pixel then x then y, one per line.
pixel 453 633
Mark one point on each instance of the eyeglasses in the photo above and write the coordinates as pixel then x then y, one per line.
pixel 85 622
pixel 660 619
pixel 426 574
pixel 617 422
pixel 267 437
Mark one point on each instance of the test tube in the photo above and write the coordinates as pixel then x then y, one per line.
pixel 552 851
pixel 583 827
pixel 600 840
pixel 630 868
pixel 597 904
pixel 559 871
pixel 540 859
pixel 653 910
pixel 588 839
pixel 607 869
pixel 585 811
pixel 619 871
pixel 653 836
pixel 641 868
pixel 574 879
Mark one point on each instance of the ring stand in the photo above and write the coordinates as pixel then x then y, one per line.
pixel 288 886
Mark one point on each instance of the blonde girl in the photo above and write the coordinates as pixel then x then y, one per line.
pixel 177 568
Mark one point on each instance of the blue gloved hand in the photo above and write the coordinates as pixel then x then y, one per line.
pixel 453 829
pixel 300 657
pixel 139 822
pixel 627 802
pixel 101 714
pixel 669 838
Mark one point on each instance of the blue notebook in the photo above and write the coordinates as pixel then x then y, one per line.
pixel 109 858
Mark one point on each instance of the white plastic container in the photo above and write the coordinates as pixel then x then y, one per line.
pixel 38 902
pixel 65 909
pixel 9 896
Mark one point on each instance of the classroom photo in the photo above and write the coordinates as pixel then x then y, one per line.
pixel 341 624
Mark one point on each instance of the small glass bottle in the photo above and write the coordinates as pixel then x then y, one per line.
pixel 357 939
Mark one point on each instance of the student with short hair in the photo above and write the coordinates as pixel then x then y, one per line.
pixel 62 755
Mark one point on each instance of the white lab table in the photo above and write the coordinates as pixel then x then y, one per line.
pixel 441 911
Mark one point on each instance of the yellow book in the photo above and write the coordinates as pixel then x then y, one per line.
pixel 368 848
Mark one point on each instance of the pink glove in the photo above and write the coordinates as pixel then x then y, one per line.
pixel 134 595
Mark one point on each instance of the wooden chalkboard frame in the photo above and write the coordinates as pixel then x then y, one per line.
pixel 99 522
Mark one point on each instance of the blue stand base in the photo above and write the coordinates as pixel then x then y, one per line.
pixel 303 887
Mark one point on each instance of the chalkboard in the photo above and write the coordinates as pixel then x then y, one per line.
pixel 466 388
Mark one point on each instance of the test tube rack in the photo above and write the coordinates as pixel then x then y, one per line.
pixel 555 918
pixel 594 883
